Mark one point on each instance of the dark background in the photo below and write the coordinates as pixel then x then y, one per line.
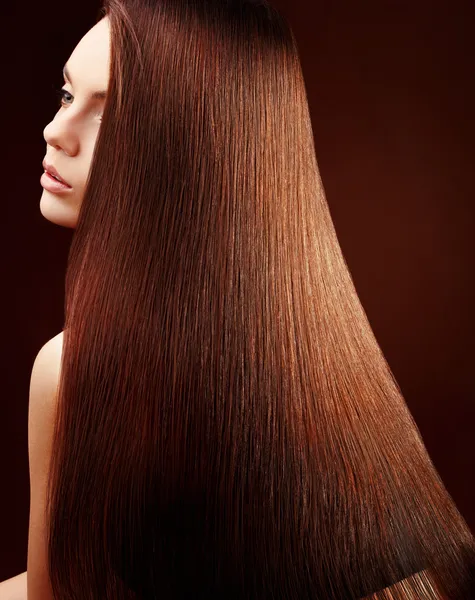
pixel 391 92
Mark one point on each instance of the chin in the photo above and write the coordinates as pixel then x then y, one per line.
pixel 56 212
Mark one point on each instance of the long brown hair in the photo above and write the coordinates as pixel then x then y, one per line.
pixel 227 425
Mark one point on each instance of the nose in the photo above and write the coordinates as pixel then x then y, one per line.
pixel 61 136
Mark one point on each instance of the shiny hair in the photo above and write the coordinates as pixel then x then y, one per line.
pixel 227 425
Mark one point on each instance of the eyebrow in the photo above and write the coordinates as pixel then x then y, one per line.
pixel 100 95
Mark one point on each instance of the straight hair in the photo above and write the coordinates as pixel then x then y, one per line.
pixel 226 423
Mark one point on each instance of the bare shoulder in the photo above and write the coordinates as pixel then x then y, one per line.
pixel 48 360
pixel 44 383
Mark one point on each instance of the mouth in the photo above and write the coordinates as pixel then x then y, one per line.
pixel 57 179
pixel 53 173
pixel 53 184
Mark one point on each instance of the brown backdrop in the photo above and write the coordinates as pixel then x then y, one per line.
pixel 391 93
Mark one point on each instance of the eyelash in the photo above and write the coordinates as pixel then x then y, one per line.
pixel 60 95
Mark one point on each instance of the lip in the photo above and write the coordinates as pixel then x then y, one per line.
pixel 53 185
pixel 52 171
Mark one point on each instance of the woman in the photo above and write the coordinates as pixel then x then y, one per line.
pixel 225 423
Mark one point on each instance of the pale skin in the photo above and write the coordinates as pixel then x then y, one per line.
pixel 71 135
pixel 70 138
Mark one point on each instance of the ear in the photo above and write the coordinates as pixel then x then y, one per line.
pixel 41 411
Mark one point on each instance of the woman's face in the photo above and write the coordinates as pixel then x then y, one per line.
pixel 72 134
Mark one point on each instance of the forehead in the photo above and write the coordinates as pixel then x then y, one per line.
pixel 88 64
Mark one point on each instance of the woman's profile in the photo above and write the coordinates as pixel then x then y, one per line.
pixel 217 419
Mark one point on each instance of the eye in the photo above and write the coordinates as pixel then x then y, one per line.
pixel 60 95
